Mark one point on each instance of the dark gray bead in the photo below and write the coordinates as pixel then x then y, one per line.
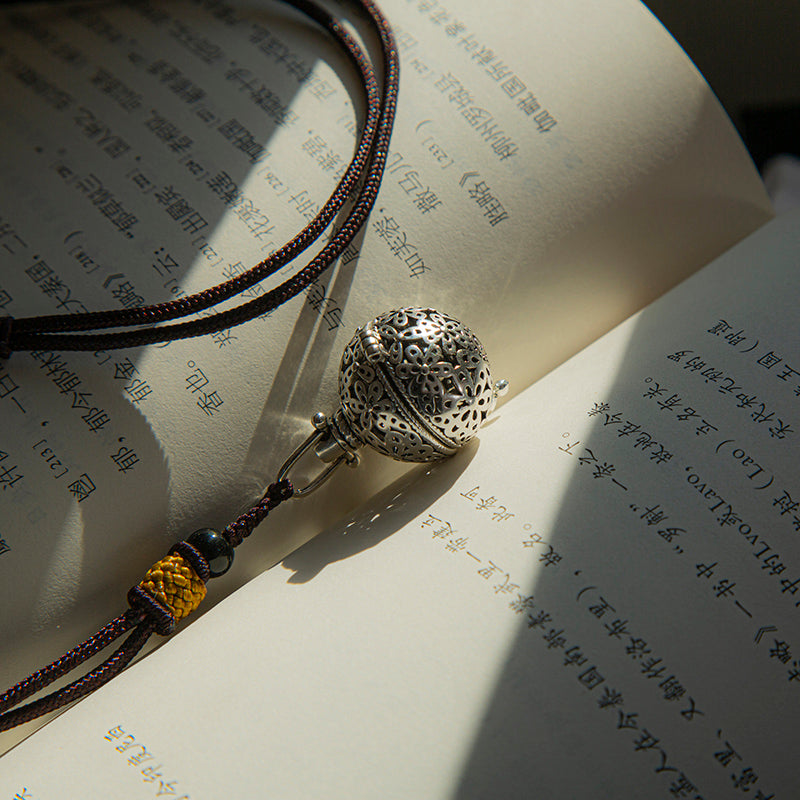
pixel 215 548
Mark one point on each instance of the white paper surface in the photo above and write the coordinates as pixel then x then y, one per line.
pixel 640 180
pixel 558 608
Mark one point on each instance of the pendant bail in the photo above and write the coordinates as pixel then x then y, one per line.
pixel 326 447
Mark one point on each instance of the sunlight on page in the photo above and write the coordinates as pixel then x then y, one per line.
pixel 66 558
pixel 528 612
pixel 673 581
pixel 488 210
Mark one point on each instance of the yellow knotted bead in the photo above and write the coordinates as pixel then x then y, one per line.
pixel 174 583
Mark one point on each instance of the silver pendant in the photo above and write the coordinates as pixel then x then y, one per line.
pixel 414 384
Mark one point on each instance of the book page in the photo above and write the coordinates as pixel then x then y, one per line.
pixel 599 599
pixel 550 173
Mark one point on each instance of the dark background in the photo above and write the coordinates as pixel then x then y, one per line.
pixel 749 52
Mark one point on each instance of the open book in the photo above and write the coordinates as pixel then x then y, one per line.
pixel 599 594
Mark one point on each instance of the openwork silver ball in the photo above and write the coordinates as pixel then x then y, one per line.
pixel 414 384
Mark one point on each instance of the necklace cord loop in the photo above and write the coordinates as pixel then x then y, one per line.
pixel 11 717
pixel 148 612
pixel 58 331
pixel 171 589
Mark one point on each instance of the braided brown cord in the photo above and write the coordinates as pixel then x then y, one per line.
pixel 148 614
pixel 52 331
pixel 242 527
pixel 152 611
pixel 194 557
pixel 82 686
pixel 44 677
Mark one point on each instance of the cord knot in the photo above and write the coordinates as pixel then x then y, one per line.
pixel 279 491
pixel 169 591
pixel 159 615
pixel 194 557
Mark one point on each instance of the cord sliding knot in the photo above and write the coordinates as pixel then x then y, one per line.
pixel 276 493
pixel 175 589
